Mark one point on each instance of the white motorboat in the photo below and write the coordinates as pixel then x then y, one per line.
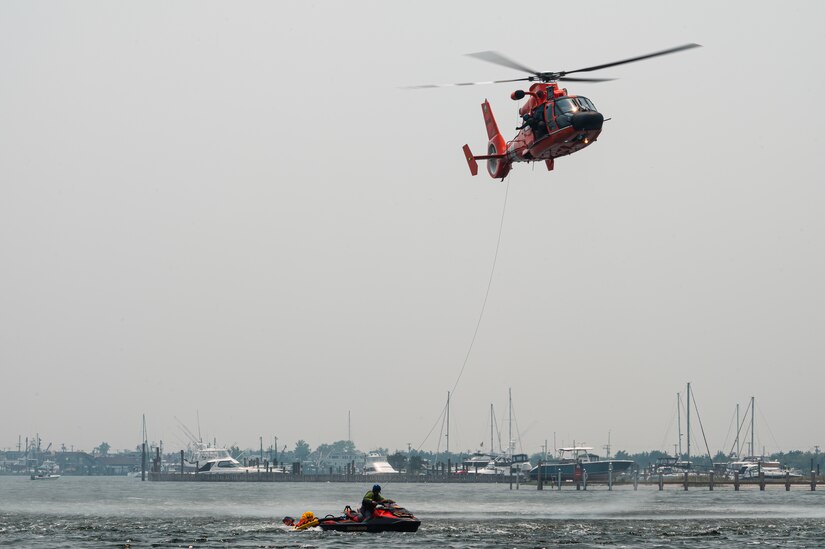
pixel 48 470
pixel 750 468
pixel 212 460
pixel 44 476
pixel 377 464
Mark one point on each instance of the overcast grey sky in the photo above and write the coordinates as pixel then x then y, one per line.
pixel 231 210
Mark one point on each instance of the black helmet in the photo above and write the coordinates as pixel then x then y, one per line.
pixel 376 488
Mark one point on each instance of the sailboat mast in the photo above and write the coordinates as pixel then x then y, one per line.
pixel 738 449
pixel 679 422
pixel 688 421
pixel 510 428
pixel 753 413
pixel 448 424
pixel 491 427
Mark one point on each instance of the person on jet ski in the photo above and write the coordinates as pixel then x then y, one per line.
pixel 370 500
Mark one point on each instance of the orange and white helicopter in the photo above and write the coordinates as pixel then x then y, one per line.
pixel 555 123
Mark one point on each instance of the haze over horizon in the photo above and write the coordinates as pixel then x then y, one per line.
pixel 233 212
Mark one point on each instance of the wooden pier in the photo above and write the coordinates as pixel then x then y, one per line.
pixel 692 482
pixel 264 476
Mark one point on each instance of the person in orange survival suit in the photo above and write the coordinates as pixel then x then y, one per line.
pixel 306 518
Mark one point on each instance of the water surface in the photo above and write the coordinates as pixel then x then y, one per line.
pixel 120 512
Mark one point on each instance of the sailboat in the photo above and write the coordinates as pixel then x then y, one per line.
pixel 751 466
pixel 673 466
pixel 505 462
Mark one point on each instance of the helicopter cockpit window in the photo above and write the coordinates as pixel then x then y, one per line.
pixel 586 104
pixel 566 106
pixel 571 105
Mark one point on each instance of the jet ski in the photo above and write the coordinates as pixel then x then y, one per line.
pixel 385 518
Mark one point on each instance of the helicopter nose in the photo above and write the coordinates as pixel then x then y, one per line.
pixel 588 120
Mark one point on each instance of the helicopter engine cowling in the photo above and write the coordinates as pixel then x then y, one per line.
pixel 498 168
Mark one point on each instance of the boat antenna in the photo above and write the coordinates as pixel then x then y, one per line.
pixel 198 418
pixel 607 446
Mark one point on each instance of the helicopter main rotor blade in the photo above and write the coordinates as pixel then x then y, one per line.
pixel 633 59
pixel 579 79
pixel 498 59
pixel 462 84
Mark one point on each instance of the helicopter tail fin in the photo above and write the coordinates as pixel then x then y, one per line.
pixel 471 161
pixel 489 120
pixel 498 166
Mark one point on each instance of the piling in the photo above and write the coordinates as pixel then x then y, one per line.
pixel 558 477
pixel 813 481
pixel 787 481
pixel 609 477
pixel 143 462
pixel 636 480
pixel 686 481
pixel 710 483
pixel 584 479
pixel 762 481
pixel 661 482
pixel 539 485
pixel 736 481
pixel 181 462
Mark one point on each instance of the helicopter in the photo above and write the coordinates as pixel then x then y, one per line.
pixel 555 123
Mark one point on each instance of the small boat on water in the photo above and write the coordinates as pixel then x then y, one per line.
pixel 48 470
pixel 497 464
pixel 670 467
pixel 751 466
pixel 574 462
pixel 43 475
pixel 753 470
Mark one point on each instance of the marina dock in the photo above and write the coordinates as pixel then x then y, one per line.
pixel 692 482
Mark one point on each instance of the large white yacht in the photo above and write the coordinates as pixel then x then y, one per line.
pixel 377 464
pixel 212 460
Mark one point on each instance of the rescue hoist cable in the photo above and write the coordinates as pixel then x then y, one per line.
pixel 480 315
pixel 486 293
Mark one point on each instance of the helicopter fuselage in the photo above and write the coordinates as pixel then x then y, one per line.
pixel 555 124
